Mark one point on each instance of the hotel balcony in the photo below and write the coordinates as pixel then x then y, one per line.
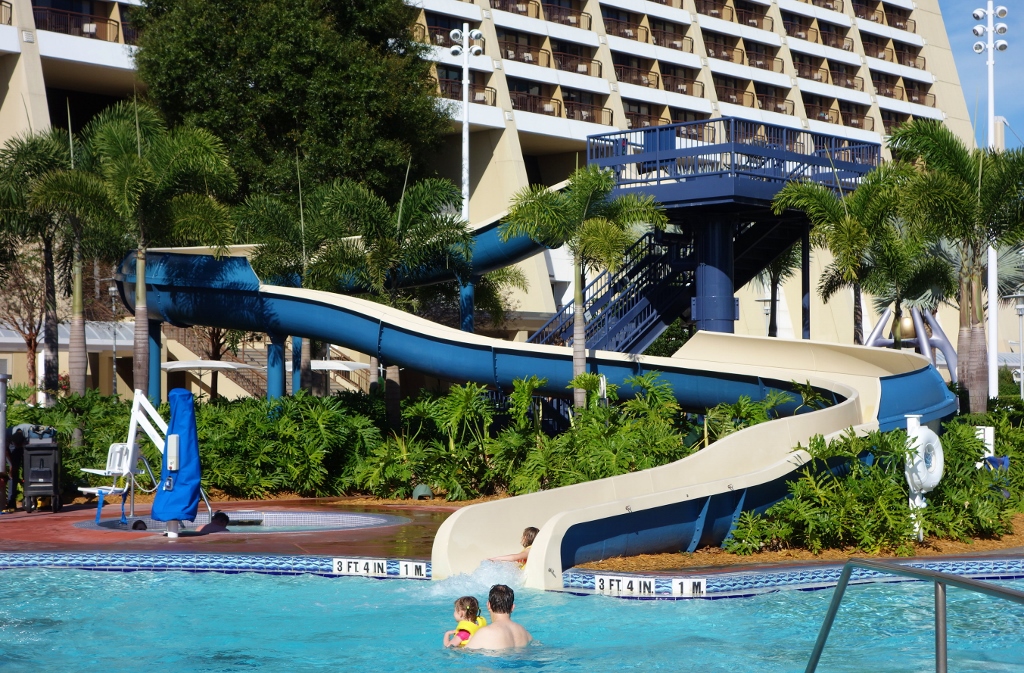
pixel 909 59
pixel 715 8
pixel 524 53
pixel 73 23
pixel 582 65
pixel 637 120
pixel 626 29
pixel 595 114
pixel 728 94
pixel 858 120
pixel 637 76
pixel 683 85
pixel 439 36
pixel 567 16
pixel 724 52
pixel 529 8
pixel 775 104
pixel 902 22
pixel 834 5
pixel 889 90
pixel 847 81
pixel 920 97
pixel 531 102
pixel 867 14
pixel 800 31
pixel 665 38
pixel 763 61
pixel 822 114
pixel 130 33
pixel 6 13
pixel 754 19
pixel 831 38
pixel 479 94
pixel 811 72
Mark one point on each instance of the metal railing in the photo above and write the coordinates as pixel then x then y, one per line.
pixel 830 38
pixel 847 81
pixel 834 5
pixel 920 97
pixel 74 23
pixel 626 29
pixel 637 76
pixel 715 8
pixel 889 90
pixel 478 93
pixel 672 40
pixel 130 33
pixel 800 31
pixel 6 13
pixel 683 85
pixel 754 19
pixel 728 94
pixel 439 36
pixel 724 52
pixel 902 23
pixel 567 16
pixel 908 59
pixel 524 53
pixel 522 7
pixel 879 51
pixel 583 65
pixel 811 72
pixel 775 104
pixel 584 112
pixel 531 102
pixel 939 579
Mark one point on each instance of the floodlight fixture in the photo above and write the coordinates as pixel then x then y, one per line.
pixel 979 47
pixel 476 50
pixel 1002 45
pixel 979 14
pixel 456 35
pixel 1001 12
pixel 1001 28
pixel 475 34
pixel 457 50
pixel 978 30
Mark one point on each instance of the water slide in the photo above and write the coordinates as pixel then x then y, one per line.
pixel 693 502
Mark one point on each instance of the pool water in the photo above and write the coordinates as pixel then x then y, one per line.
pixel 175 621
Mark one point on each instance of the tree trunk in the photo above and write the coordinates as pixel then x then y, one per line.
pixel 579 336
pixel 31 349
pixel 78 361
pixel 858 316
pixel 897 325
pixel 773 308
pixel 140 352
pixel 393 398
pixel 963 340
pixel 50 364
pixel 374 375
pixel 978 378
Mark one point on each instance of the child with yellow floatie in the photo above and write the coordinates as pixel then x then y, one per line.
pixel 467 614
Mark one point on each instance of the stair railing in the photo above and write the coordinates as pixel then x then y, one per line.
pixel 939 579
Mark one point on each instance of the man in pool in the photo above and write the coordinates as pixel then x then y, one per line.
pixel 502 633
pixel 218 524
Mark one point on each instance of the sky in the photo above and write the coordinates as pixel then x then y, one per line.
pixel 973 72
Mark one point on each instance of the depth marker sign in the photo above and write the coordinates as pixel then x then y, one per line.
pixel 363 567
pixel 639 587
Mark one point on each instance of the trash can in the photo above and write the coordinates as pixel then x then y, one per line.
pixel 41 467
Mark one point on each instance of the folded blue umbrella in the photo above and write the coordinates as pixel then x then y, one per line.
pixel 177 496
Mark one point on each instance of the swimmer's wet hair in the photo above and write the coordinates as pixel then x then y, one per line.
pixel 529 535
pixel 501 599
pixel 469 607
pixel 221 516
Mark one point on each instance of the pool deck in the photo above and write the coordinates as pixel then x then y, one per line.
pixel 47 532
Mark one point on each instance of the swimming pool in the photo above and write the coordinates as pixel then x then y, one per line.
pixel 89 622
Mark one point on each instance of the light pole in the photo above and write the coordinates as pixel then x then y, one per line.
pixel 1019 298
pixel 464 47
pixel 991 46
pixel 112 290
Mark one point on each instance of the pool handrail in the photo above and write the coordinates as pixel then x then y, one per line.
pixel 940 580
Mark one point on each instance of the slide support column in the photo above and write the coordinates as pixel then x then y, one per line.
pixel 155 334
pixel 296 364
pixel 467 304
pixel 275 366
pixel 714 307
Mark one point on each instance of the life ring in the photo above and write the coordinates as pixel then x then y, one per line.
pixel 925 462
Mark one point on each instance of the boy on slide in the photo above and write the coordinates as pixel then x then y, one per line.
pixel 467 614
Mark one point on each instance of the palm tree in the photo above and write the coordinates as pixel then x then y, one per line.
pixel 778 271
pixel 596 228
pixel 904 266
pixel 973 199
pixel 844 223
pixel 23 161
pixel 148 184
pixel 345 238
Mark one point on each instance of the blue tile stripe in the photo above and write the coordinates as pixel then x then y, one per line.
pixel 747 583
pixel 268 564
